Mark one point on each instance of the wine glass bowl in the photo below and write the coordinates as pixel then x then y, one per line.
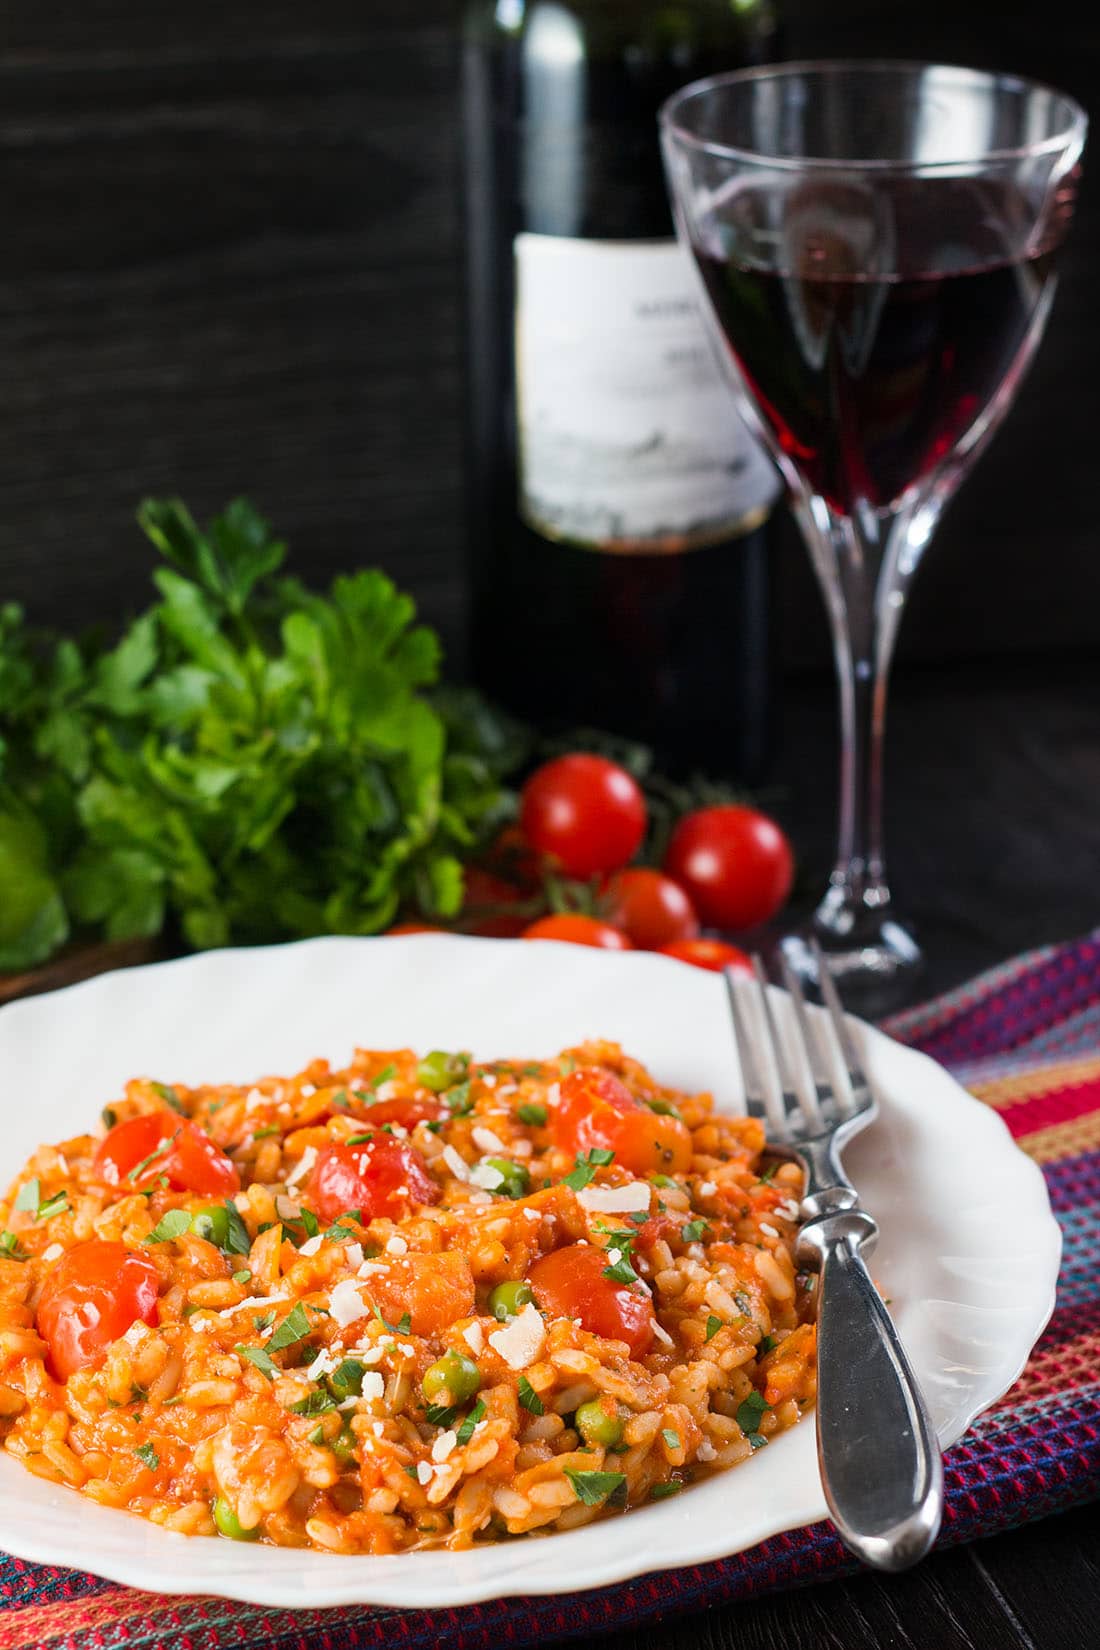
pixel 877 245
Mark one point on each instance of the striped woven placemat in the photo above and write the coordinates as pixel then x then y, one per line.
pixel 1025 1038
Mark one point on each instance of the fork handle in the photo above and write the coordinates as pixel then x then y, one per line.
pixel 880 1460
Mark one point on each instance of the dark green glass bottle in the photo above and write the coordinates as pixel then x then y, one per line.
pixel 619 515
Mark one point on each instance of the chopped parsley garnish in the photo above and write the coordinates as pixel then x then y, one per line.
pixel 341 1099
pixel 663 1108
pixel 172 1224
pixel 161 1150
pixel 621 1271
pixel 769 1173
pixel 263 1320
pixel 458 1100
pixel 402 1327
pixel 147 1454
pixel 671 1438
pixel 237 1240
pixel 29 1196
pixel 713 1326
pixel 748 1417
pixel 346 1381
pixel 10 1246
pixel 267 1132
pixel 170 1097
pixel 314 1403
pixel 529 1398
pixel 532 1114
pixel 598 1158
pixel 466 1430
pixel 109 1116
pixel 382 1077
pixel 338 1234
pixel 567 1065
pixel 661 1492
pixel 768 1344
pixel 258 1356
pixel 662 1180
pixel 317 1436
pixel 358 1139
pixel 55 1206
pixel 294 1328
pixel 694 1232
pixel 532 1070
pixel 243 1276
pixel 594 1487
pixel 440 1415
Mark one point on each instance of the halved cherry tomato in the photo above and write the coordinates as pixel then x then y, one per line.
pixel 584 813
pixel 734 862
pixel 649 907
pixel 578 930
pixel 596 1109
pixel 89 1300
pixel 137 1152
pixel 406 1114
pixel 705 953
pixel 570 1283
pixel 379 1176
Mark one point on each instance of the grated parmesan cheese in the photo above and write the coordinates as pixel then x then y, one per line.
pixel 423 1472
pixel 615 1200
pixel 485 1140
pixel 444 1445
pixel 474 1336
pixel 286 1208
pixel 373 1385
pixel 311 1245
pixel 486 1176
pixel 346 1303
pixel 520 1342
pixel 456 1163
pixel 302 1167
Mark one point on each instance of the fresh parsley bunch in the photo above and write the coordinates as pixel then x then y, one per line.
pixel 251 761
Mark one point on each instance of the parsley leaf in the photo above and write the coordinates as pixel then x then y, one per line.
pixel 10 1246
pixel 170 1097
pixel 258 1356
pixel 440 1415
pixel 621 1271
pixel 382 1077
pixel 594 1487
pixel 694 1231
pixel 294 1328
pixel 172 1224
pixel 713 1326
pixel 466 1430
pixel 748 1417
pixel 529 1398
pixel 671 1438
pixel 598 1158
pixel 55 1206
pixel 314 1403
pixel 28 1196
pixel 148 1455
pixel 661 1492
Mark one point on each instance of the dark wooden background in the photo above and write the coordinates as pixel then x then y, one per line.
pixel 230 263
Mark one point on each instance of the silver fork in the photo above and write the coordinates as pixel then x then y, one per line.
pixel 880 1461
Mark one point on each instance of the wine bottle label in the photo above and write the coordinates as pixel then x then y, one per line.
pixel 629 435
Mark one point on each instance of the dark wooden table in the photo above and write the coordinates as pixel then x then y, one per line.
pixel 993 803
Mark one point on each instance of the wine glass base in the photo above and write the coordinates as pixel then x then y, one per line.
pixel 876 965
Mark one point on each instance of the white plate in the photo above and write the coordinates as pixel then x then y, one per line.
pixel 968 1254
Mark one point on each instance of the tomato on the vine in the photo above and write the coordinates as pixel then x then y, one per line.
pixel 734 862
pixel 578 929
pixel 649 907
pixel 708 953
pixel 584 814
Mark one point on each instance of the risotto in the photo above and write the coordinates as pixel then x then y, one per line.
pixel 417 1302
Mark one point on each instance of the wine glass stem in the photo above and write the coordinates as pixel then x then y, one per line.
pixel 864 565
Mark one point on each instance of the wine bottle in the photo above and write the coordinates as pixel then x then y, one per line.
pixel 619 512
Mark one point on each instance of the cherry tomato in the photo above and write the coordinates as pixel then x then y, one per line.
pixel 735 864
pixel 379 1176
pixel 579 930
pixel 706 953
pixel 570 1283
pixel 649 907
pixel 90 1298
pixel 486 906
pixel 174 1146
pixel 596 1109
pixel 406 1114
pixel 583 812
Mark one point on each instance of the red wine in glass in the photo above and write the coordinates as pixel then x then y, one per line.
pixel 869 382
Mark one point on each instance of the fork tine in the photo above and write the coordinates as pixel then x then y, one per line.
pixel 763 1093
pixel 812 1092
pixel 791 1061
pixel 857 1078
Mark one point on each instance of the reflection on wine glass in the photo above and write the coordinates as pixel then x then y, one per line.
pixel 877 244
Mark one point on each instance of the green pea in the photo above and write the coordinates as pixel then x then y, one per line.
pixel 507 1299
pixel 229 1524
pixel 211 1222
pixel 439 1070
pixel 451 1380
pixel 343 1445
pixel 596 1426
pixel 515 1181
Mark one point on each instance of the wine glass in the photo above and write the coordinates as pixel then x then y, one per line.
pixel 876 242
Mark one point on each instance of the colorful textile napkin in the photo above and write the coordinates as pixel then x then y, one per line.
pixel 1025 1039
